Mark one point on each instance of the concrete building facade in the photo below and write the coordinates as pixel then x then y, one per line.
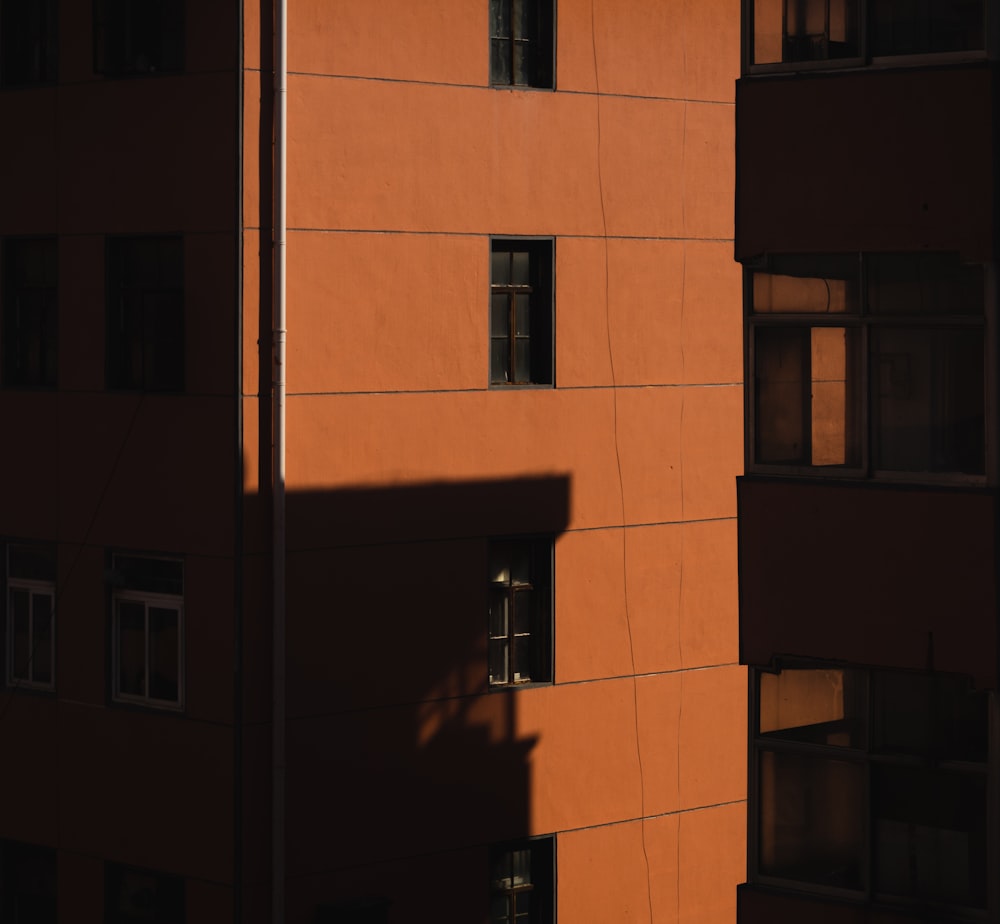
pixel 512 431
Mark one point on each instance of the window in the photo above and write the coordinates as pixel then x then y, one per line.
pixel 138 36
pixel 520 622
pixel 145 302
pixel 521 322
pixel 27 883
pixel 870 366
pixel 135 896
pixel 872 784
pixel 522 43
pixel 31 604
pixel 28 42
pixel 794 33
pixel 147 630
pixel 522 878
pixel 30 312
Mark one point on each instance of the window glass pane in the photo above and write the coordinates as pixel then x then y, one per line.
pixel 500 909
pixel 931 715
pixel 820 30
pixel 499 668
pixel 523 611
pixel 522 308
pixel 164 652
pixel 500 360
pixel 522 659
pixel 767 32
pixel 908 27
pixel 523 60
pixel 131 648
pixel 500 61
pixel 500 18
pixel 41 643
pixel 31 562
pixel 499 603
pixel 811 819
pixel 20 615
pixel 520 268
pixel 522 360
pixel 924 284
pixel 818 706
pixel 500 268
pixel 809 284
pixel 928 400
pixel 930 834
pixel 500 315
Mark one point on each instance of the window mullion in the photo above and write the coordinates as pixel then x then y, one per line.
pixel 147 642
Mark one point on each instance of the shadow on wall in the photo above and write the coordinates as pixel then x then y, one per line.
pixel 402 763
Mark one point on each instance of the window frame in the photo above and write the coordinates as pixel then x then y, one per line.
pixel 15 336
pixel 542 311
pixel 543 853
pixel 107 62
pixel 866 323
pixel 34 586
pixel 127 333
pixel 45 42
pixel 121 592
pixel 865 56
pixel 169 889
pixel 540 554
pixel 867 756
pixel 544 76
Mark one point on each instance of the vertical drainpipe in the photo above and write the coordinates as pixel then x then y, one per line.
pixel 278 472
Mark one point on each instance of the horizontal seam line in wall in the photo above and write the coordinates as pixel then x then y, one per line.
pixel 505 691
pixel 502 391
pixel 114 393
pixel 448 850
pixel 489 88
pixel 468 536
pixel 100 856
pixel 159 232
pixel 486 235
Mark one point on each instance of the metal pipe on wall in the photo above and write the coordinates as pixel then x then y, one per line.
pixel 278 470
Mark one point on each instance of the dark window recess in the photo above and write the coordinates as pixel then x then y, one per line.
pixel 146 313
pixel 30 616
pixel 147 630
pixel 27 883
pixel 521 317
pixel 913 330
pixel 30 312
pixel 138 36
pixel 522 43
pixel 522 882
pixel 873 782
pixel 520 620
pixel 28 42
pixel 135 896
pixel 794 32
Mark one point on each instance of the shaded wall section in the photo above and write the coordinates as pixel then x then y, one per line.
pixel 892 160
pixel 882 575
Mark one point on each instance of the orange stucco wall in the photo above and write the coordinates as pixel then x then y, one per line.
pixel 402 163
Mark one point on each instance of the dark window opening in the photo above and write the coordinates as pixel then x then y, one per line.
pixel 28 42
pixel 27 883
pixel 138 36
pixel 884 376
pixel 147 630
pixel 520 618
pixel 522 878
pixel 874 783
pixel 30 616
pixel 522 43
pixel 797 32
pixel 135 896
pixel 146 313
pixel 521 317
pixel 30 313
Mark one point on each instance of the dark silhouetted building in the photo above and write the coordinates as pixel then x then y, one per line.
pixel 867 216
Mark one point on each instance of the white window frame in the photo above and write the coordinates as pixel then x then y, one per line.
pixel 148 599
pixel 33 588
